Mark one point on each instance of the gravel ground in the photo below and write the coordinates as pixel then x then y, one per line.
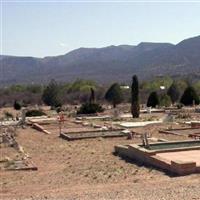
pixel 87 169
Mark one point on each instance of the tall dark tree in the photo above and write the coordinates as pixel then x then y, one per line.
pixel 153 100
pixel 51 94
pixel 92 96
pixel 189 97
pixel 135 105
pixel 174 93
pixel 17 105
pixel 114 94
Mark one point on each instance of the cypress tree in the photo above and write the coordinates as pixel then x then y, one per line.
pixel 189 97
pixel 135 105
pixel 153 100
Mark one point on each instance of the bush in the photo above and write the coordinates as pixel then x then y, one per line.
pixel 34 113
pixel 183 116
pixel 8 115
pixel 90 108
pixel 17 105
pixel 180 105
pixel 59 109
pixel 51 95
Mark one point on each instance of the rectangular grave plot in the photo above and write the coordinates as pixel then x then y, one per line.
pixel 92 134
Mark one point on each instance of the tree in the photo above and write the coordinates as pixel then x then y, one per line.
pixel 92 96
pixel 17 105
pixel 114 94
pixel 135 105
pixel 189 97
pixel 174 93
pixel 51 94
pixel 165 100
pixel 196 86
pixel 90 107
pixel 153 100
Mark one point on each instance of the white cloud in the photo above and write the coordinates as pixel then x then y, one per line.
pixel 62 44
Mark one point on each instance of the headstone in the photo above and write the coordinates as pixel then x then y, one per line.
pixel 149 110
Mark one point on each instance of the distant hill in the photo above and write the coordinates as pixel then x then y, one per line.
pixel 105 65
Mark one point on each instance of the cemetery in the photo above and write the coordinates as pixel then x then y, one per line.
pixel 76 147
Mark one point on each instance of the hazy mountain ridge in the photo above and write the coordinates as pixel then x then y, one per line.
pixel 108 64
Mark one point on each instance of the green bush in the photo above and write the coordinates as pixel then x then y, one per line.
pixel 52 95
pixel 34 113
pixel 90 108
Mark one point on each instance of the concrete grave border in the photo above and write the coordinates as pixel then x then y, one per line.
pixel 150 157
pixel 92 134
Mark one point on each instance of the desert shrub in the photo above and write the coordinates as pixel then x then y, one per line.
pixel 183 116
pixel 8 115
pixel 59 109
pixel 17 105
pixel 35 89
pixel 179 106
pixel 17 88
pixel 90 108
pixel 34 113
pixel 52 94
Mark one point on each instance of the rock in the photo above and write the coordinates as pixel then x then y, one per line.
pixel 104 128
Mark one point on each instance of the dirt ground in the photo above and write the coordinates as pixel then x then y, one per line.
pixel 88 169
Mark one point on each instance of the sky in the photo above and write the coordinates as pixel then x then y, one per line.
pixel 50 28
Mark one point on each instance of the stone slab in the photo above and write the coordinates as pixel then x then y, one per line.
pixel 182 156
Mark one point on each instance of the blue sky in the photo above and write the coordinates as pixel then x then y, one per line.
pixel 53 28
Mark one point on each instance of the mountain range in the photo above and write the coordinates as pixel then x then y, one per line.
pixel 106 65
